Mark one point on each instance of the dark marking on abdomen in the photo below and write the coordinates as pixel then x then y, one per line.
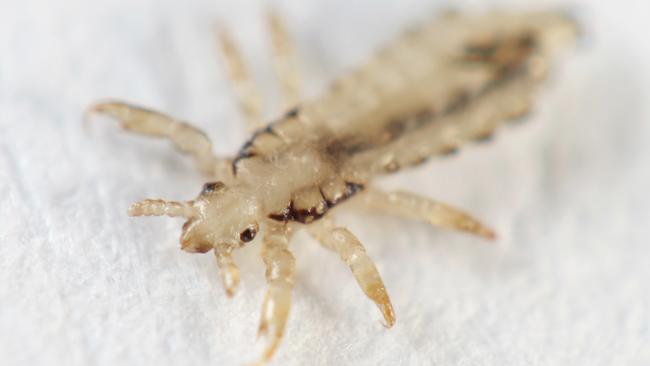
pixel 391 131
pixel 248 149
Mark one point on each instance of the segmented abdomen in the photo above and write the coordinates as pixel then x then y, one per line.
pixel 450 81
pixel 453 80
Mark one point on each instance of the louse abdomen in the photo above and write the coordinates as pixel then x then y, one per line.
pixel 416 99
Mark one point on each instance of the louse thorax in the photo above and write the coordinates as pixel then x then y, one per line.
pixel 280 179
pixel 223 216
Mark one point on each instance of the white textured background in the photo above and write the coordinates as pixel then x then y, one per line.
pixel 82 284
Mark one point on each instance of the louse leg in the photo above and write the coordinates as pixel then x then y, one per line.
pixel 416 207
pixel 352 252
pixel 246 92
pixel 285 60
pixel 280 273
pixel 186 138
pixel 227 268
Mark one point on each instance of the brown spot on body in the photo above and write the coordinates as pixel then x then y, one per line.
pixel 350 190
pixel 284 215
pixel 248 150
pixel 212 187
pixel 304 216
pixel 245 152
pixel 311 214
pixel 500 50
pixel 308 215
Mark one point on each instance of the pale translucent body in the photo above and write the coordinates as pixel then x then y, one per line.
pixel 450 81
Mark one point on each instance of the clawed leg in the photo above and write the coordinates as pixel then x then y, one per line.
pixel 243 86
pixel 285 60
pixel 186 138
pixel 413 206
pixel 352 252
pixel 227 267
pixel 280 272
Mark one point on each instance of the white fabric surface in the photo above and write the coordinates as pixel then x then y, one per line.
pixel 83 284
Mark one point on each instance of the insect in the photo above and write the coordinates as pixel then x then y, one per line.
pixel 450 81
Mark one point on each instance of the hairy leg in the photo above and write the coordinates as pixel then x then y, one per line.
pixel 352 252
pixel 280 273
pixel 245 90
pixel 186 138
pixel 285 60
pixel 413 206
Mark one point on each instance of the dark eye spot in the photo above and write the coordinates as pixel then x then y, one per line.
pixel 212 187
pixel 248 234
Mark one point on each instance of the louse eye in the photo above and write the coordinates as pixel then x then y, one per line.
pixel 248 234
pixel 212 187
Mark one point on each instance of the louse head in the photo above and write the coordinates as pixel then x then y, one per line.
pixel 219 216
pixel 222 216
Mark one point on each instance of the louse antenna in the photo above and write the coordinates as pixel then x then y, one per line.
pixel 158 207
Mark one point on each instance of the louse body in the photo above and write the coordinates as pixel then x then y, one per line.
pixel 448 82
